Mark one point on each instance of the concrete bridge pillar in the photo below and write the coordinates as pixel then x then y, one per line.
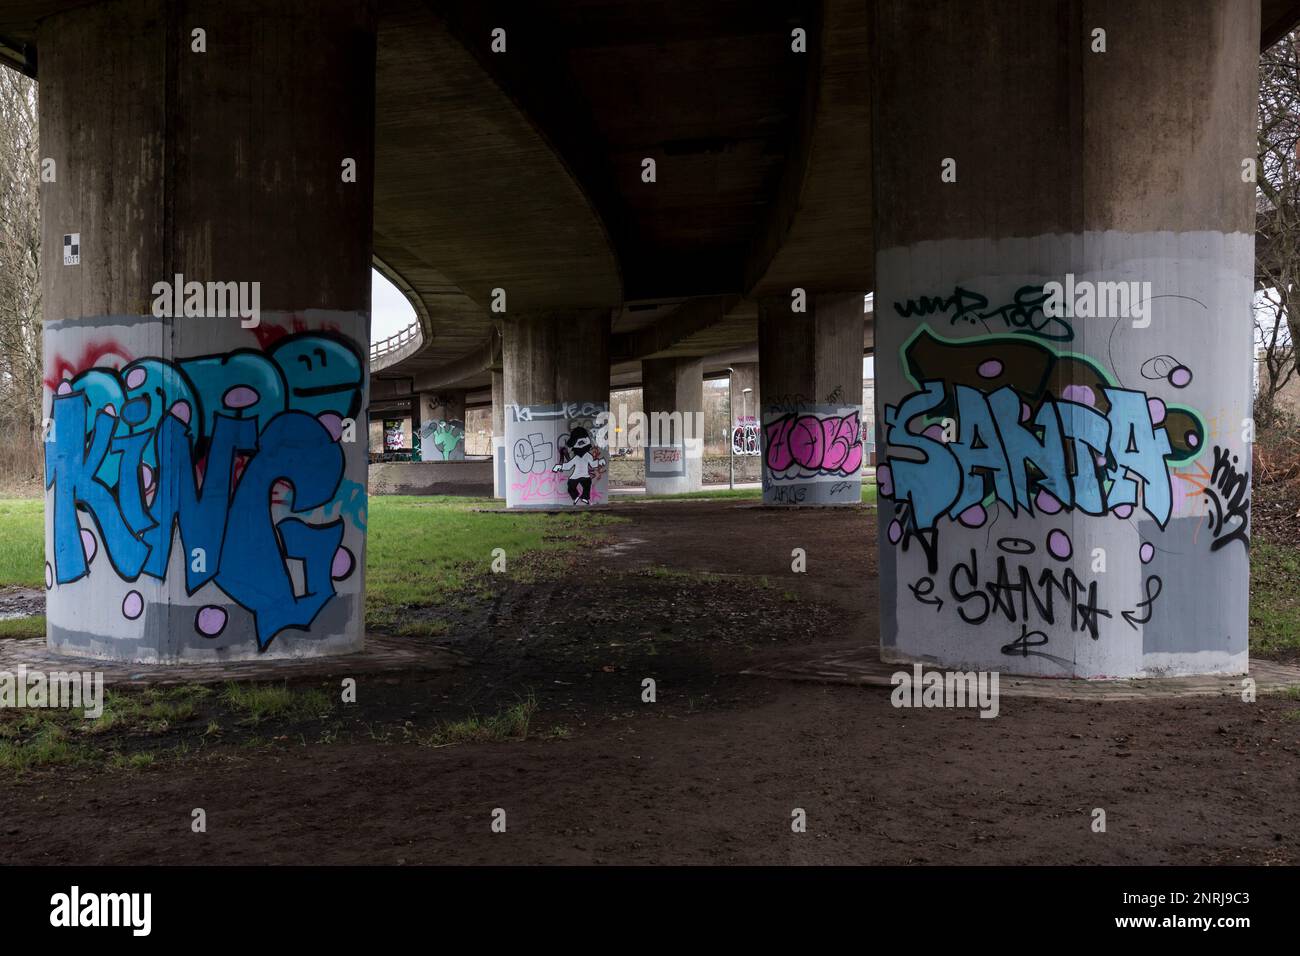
pixel 673 397
pixel 810 375
pixel 1064 272
pixel 745 400
pixel 206 293
pixel 556 387
pixel 498 434
pixel 441 423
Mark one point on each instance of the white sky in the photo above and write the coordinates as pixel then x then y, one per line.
pixel 390 312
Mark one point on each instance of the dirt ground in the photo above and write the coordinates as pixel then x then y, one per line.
pixel 690 594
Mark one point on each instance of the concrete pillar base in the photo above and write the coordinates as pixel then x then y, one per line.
pixel 673 399
pixel 205 360
pixel 810 369
pixel 556 385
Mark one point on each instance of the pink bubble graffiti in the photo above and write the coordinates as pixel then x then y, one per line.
pixel 1059 545
pixel 132 605
pixel 210 621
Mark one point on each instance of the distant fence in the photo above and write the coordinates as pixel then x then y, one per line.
pixel 395 342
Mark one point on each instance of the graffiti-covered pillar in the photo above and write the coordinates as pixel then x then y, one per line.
pixel 1064 274
pixel 206 292
pixel 441 422
pixel 673 398
pixel 556 384
pixel 498 435
pixel 810 374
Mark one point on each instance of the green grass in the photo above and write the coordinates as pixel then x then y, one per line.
pixel 437 550
pixel 23 627
pixel 510 723
pixel 419 551
pixel 259 702
pixel 1274 598
pixel 22 542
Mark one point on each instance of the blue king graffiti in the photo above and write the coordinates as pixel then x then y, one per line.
pixel 225 451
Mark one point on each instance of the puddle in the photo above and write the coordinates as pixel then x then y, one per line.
pixel 21 602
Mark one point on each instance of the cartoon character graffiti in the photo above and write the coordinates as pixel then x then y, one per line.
pixel 581 465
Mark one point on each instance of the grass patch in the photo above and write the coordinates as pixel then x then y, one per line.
pixel 511 723
pixel 259 702
pixel 437 550
pixel 22 542
pixel 1274 598
pixel 421 551
pixel 22 628
pixel 47 746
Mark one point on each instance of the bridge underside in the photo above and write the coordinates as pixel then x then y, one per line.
pixel 1047 206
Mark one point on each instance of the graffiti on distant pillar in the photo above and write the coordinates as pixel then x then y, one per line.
pixel 744 437
pixel 393 440
pixel 556 455
pixel 229 451
pixel 811 453
pixel 442 440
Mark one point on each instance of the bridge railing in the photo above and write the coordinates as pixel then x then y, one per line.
pixel 394 342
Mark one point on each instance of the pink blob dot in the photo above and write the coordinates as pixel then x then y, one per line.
pixel 182 411
pixel 885 480
pixel 49 576
pixel 135 378
pixel 241 396
pixel 1193 439
pixel 132 605
pixel 64 387
pixel 1058 545
pixel 146 475
pixel 1180 377
pixel 111 410
pixel 1122 511
pixel 974 516
pixel 934 431
pixel 895 532
pixel 1081 394
pixel 1025 411
pixel 1157 410
pixel 1047 503
pixel 990 368
pixel 342 564
pixel 89 545
pixel 210 621
pixel 1147 552
pixel 333 424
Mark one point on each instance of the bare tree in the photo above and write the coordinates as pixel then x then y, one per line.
pixel 20 279
pixel 1277 246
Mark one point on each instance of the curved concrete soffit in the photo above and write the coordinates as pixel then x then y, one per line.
pixel 470 182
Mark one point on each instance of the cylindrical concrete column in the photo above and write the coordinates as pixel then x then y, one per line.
pixel 498 435
pixel 810 373
pixel 441 435
pixel 1064 275
pixel 206 287
pixel 556 385
pixel 672 392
